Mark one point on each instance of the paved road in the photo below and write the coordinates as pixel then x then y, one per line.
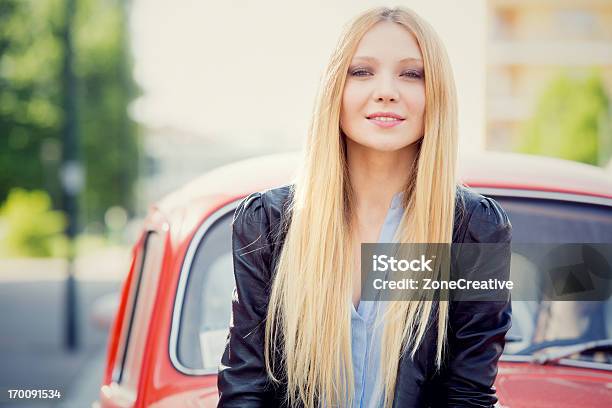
pixel 31 339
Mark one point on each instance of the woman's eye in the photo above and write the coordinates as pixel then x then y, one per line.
pixel 413 74
pixel 359 72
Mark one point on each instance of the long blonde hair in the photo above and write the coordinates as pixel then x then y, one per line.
pixel 308 318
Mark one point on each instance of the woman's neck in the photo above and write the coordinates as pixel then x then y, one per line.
pixel 377 176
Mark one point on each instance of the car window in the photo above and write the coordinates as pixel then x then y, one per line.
pixel 128 314
pixel 206 307
pixel 551 221
pixel 138 312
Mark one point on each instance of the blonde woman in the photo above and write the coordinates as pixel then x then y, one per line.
pixel 379 167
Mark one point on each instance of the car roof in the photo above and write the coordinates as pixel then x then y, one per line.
pixel 487 169
pixel 531 172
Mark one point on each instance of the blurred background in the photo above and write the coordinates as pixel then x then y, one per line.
pixel 108 105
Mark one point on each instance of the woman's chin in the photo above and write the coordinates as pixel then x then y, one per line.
pixel 387 146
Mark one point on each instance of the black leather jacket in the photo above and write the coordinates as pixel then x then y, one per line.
pixel 476 334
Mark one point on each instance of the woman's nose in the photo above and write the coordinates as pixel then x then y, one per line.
pixel 386 91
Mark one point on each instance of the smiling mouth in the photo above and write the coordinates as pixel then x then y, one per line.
pixel 385 116
pixel 384 121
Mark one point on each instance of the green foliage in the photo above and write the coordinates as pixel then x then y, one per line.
pixel 31 97
pixel 30 227
pixel 30 110
pixel 110 139
pixel 571 121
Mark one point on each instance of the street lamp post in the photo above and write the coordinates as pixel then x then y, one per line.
pixel 71 175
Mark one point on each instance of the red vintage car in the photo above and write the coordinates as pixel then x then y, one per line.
pixel 171 324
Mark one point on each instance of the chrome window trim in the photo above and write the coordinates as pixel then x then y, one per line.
pixel 547 195
pixel 585 364
pixel 126 332
pixel 195 242
pixel 510 358
pixel 182 286
pixel 514 358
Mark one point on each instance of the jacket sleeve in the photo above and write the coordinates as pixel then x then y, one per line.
pixel 477 329
pixel 242 379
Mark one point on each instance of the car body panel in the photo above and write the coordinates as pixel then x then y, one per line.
pixel 521 385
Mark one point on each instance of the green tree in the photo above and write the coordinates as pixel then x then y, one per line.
pixel 110 139
pixel 30 227
pixel 30 105
pixel 31 115
pixel 571 121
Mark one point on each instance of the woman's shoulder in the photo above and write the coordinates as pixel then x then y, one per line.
pixel 481 218
pixel 265 206
pixel 259 218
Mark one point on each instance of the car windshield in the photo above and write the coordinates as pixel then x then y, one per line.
pixel 205 299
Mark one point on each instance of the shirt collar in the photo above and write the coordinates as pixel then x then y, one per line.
pixel 396 201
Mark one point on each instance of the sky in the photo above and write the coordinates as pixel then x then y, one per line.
pixel 250 70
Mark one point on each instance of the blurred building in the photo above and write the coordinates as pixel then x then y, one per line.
pixel 528 42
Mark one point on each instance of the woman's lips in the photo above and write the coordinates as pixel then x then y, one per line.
pixel 386 123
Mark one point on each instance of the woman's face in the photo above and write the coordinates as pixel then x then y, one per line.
pixel 383 103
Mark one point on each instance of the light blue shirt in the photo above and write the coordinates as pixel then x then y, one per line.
pixel 366 334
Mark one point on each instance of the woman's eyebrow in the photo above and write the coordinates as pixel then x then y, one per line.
pixel 410 59
pixel 366 58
